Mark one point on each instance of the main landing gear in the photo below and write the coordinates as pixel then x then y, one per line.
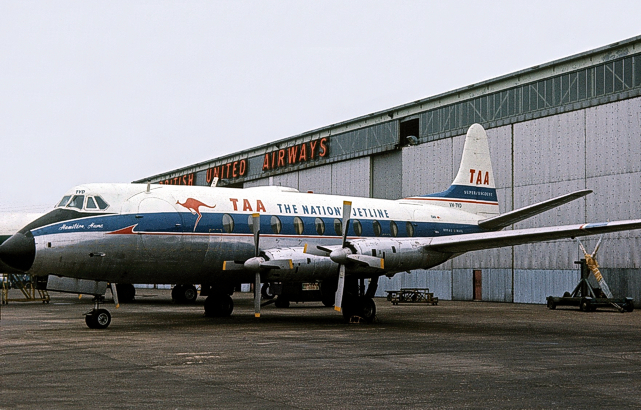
pixel 219 305
pixel 358 304
pixel 98 318
pixel 184 294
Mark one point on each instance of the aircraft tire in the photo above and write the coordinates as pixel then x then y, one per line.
pixel 327 301
pixel 367 309
pixel 98 319
pixel 219 305
pixel 189 294
pixel 126 292
pixel 265 292
pixel 362 307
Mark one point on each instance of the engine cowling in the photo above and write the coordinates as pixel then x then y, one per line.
pixel 305 267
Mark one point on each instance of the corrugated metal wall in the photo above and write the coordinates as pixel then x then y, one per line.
pixel 597 148
pixel 387 175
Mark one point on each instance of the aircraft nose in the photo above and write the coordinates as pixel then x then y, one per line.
pixel 19 251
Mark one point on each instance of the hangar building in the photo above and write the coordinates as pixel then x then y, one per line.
pixel 563 126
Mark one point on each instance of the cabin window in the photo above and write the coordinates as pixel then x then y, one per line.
pixel 228 223
pixel 101 203
pixel 320 226
pixel 338 227
pixel 76 202
pixel 358 228
pixel 393 228
pixel 64 200
pixel 378 231
pixel 91 204
pixel 410 229
pixel 277 226
pixel 299 226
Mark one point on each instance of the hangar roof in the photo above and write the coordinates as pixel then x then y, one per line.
pixel 590 78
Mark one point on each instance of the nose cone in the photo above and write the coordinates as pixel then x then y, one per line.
pixel 19 251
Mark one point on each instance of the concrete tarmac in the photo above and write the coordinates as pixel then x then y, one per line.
pixel 455 355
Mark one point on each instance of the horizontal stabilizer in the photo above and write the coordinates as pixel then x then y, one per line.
pixel 509 218
pixel 489 240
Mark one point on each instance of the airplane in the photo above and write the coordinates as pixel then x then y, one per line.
pixel 219 237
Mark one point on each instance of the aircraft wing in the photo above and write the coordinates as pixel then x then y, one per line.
pixel 489 240
pixel 501 221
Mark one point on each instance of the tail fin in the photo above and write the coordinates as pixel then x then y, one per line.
pixel 473 189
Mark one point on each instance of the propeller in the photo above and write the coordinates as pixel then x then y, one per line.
pixel 257 263
pixel 343 254
pixel 256 231
pixel 590 260
pixel 347 212
pixel 593 265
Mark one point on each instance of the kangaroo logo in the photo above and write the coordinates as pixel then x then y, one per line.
pixel 194 207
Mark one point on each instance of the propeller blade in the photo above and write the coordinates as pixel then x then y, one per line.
pixel 286 264
pixel 582 247
pixel 114 293
pixel 257 295
pixel 339 290
pixel 347 212
pixel 596 248
pixel 366 260
pixel 256 230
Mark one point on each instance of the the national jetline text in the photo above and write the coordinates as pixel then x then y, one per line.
pixel 299 209
pixel 320 210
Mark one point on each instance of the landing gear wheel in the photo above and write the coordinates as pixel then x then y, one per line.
pixel 328 293
pixel 282 302
pixel 266 293
pixel 367 309
pixel 327 301
pixel 629 307
pixel 219 306
pixel 362 308
pixel 184 294
pixel 189 294
pixel 126 292
pixel 551 304
pixel 98 319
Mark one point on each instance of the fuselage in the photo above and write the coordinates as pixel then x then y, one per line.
pixel 130 233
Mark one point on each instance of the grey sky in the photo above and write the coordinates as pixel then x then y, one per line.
pixel 115 91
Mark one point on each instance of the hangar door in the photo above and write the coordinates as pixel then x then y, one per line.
pixel 387 175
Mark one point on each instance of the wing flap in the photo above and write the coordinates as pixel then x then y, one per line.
pixel 489 240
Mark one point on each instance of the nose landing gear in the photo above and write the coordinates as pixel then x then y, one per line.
pixel 98 318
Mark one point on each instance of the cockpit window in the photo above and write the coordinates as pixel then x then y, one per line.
pixel 76 202
pixel 91 204
pixel 64 200
pixel 101 203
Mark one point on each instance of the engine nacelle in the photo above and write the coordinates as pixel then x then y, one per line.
pixel 306 267
pixel 399 254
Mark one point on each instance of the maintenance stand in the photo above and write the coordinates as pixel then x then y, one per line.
pixel 587 298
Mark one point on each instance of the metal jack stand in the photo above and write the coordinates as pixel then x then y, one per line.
pixel 588 298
